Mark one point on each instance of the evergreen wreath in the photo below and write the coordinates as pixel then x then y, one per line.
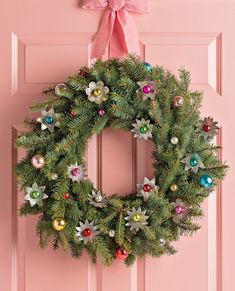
pixel 150 102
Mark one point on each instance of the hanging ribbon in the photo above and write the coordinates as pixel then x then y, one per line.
pixel 117 28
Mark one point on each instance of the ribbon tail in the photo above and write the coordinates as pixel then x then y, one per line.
pixel 103 36
pixel 130 33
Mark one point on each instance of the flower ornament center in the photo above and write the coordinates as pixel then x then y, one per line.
pixel 179 209
pixel 147 89
pixel 143 129
pixel 96 92
pixel 86 232
pixel 137 217
pixel 147 188
pixel 76 172
pixel 207 127
pixel 49 119
pixel 193 162
pixel 35 194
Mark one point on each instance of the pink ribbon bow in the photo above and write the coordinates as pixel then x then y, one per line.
pixel 117 27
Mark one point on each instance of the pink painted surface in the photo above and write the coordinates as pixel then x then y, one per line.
pixel 40 43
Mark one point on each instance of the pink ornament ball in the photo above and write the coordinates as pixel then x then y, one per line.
pixel 101 112
pixel 147 89
pixel 38 161
pixel 179 209
pixel 76 172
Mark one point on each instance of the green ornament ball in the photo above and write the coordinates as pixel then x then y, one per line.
pixel 35 194
pixel 143 129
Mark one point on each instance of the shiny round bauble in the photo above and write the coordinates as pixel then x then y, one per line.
pixel 206 181
pixel 66 196
pixel 174 187
pixel 193 162
pixel 98 198
pixel 162 241
pixel 148 66
pixel 121 254
pixel 174 140
pixel 35 194
pixel 38 161
pixel 147 188
pixel 84 74
pixel 96 92
pixel 143 129
pixel 54 176
pixel 73 114
pixel 60 89
pixel 137 217
pixel 86 232
pixel 59 223
pixel 147 89
pixel 179 209
pixel 101 112
pixel 111 233
pixel 178 101
pixel 76 172
pixel 49 119
pixel 207 127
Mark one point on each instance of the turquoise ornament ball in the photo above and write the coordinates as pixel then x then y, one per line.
pixel 206 181
pixel 148 66
pixel 193 162
pixel 49 119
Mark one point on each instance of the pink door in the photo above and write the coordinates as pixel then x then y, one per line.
pixel 43 41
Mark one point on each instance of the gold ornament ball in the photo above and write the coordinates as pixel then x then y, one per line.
pixel 174 187
pixel 178 101
pixel 137 217
pixel 96 92
pixel 59 224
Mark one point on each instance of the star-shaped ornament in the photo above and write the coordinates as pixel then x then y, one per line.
pixel 147 89
pixel 35 194
pixel 75 172
pixel 97 199
pixel 192 162
pixel 136 219
pixel 49 119
pixel 142 129
pixel 147 188
pixel 86 231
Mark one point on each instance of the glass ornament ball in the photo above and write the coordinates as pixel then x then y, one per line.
pixel 54 176
pixel 121 254
pixel 66 195
pixel 178 101
pixel 137 217
pixel 38 161
pixel 101 112
pixel 206 181
pixel 76 172
pixel 193 162
pixel 35 194
pixel 148 66
pixel 73 114
pixel 59 223
pixel 147 89
pixel 162 241
pixel 143 129
pixel 147 188
pixel 60 89
pixel 174 188
pixel 207 127
pixel 111 233
pixel 96 92
pixel 174 140
pixel 86 232
pixel 84 74
pixel 49 119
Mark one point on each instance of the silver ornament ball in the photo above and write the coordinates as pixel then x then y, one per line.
pixel 162 241
pixel 98 198
pixel 178 101
pixel 60 89
pixel 174 140
pixel 112 233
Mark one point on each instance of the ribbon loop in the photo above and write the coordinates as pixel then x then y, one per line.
pixel 117 28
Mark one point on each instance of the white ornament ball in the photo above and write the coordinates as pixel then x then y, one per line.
pixel 54 176
pixel 98 198
pixel 162 241
pixel 112 233
pixel 174 140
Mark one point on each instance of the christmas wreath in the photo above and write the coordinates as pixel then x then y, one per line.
pixel 150 102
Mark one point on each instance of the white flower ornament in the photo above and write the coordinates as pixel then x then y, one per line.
pixel 97 92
